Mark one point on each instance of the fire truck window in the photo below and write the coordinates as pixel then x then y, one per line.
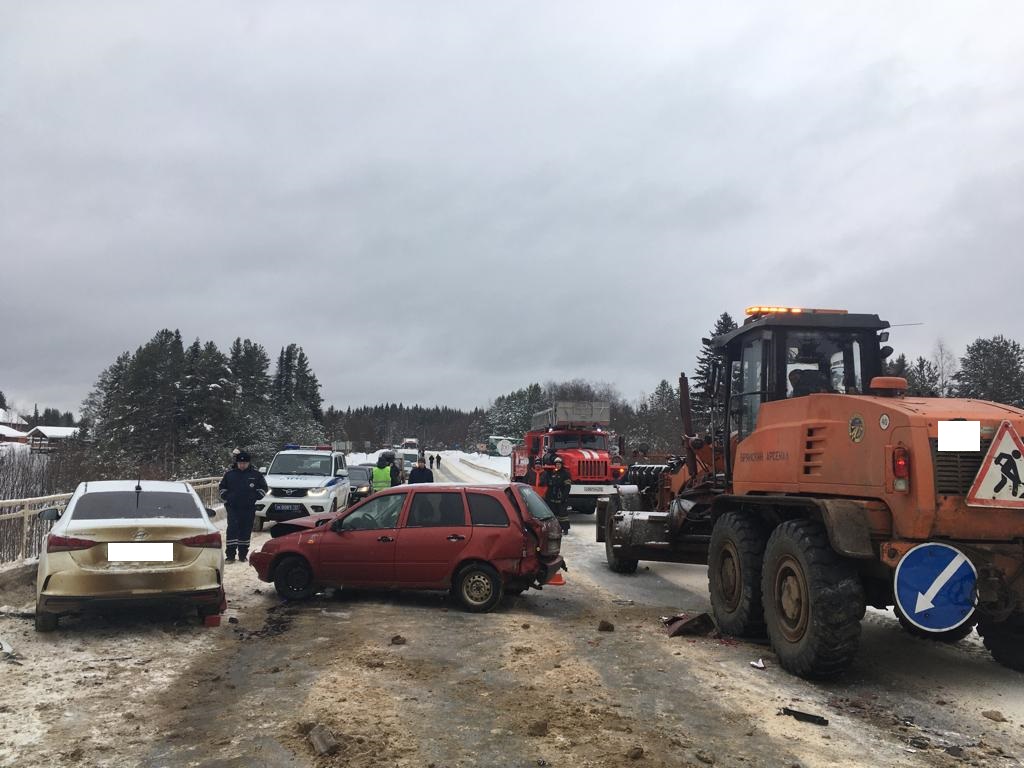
pixel 594 442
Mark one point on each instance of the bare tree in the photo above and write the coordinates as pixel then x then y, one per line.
pixel 945 367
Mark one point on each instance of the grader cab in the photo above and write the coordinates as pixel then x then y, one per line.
pixel 823 489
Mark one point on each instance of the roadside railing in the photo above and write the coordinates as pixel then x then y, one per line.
pixel 22 532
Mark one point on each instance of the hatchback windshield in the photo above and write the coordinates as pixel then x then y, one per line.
pixel 300 464
pixel 120 505
pixel 536 506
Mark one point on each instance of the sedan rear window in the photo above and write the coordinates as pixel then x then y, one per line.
pixel 486 510
pixel 119 505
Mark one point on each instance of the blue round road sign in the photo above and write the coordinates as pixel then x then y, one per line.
pixel 935 586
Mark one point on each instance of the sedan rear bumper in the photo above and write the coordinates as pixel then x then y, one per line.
pixel 61 604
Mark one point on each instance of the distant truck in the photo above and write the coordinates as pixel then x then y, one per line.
pixel 577 432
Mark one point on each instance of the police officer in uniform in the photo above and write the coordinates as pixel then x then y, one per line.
pixel 385 474
pixel 240 488
pixel 557 482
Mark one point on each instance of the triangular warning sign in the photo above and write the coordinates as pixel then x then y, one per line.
pixel 1000 481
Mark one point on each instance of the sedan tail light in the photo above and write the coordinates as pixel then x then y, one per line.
pixel 67 544
pixel 211 540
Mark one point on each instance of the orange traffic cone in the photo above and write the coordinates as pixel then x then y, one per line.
pixel 558 580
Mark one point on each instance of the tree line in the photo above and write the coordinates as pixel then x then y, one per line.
pixel 171 410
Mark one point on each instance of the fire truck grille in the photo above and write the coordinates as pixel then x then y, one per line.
pixel 955 470
pixel 592 469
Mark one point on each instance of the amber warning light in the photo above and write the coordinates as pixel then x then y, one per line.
pixel 792 311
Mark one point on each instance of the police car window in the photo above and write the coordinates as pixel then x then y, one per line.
pixel 119 505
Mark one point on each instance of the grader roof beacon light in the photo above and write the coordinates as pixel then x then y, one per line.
pixel 764 310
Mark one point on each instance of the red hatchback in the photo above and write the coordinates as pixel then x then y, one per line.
pixel 481 542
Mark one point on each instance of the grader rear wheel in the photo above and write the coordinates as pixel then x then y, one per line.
pixel 734 574
pixel 812 599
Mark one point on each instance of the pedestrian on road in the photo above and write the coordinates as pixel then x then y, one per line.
pixel 557 482
pixel 438 458
pixel 385 474
pixel 240 488
pixel 431 461
pixel 420 473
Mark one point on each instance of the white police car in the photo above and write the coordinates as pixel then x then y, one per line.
pixel 303 480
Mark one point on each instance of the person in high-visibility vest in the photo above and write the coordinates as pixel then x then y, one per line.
pixel 384 474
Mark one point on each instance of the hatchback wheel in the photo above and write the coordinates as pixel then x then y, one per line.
pixel 293 579
pixel 478 587
pixel 45 622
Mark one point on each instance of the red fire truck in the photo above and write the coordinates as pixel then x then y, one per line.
pixel 577 432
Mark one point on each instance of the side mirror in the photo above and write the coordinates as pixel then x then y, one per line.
pixel 885 351
pixel 262 470
pixel 51 514
pixel 338 525
pixel 211 512
pixel 341 473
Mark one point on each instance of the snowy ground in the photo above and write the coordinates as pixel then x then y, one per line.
pixel 533 683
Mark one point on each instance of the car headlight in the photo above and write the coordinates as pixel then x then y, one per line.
pixel 363 489
pixel 318 492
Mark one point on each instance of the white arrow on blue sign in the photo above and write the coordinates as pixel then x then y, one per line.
pixel 935 586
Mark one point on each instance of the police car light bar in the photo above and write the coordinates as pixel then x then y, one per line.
pixel 792 311
pixel 295 447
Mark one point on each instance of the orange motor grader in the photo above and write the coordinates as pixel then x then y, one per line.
pixel 824 489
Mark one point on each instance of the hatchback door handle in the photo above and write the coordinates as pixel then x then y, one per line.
pixel 385 539
pixel 456 537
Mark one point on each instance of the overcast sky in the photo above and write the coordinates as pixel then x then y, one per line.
pixel 417 193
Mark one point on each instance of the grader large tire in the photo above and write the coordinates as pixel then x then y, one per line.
pixel 812 599
pixel 1005 640
pixel 617 562
pixel 734 574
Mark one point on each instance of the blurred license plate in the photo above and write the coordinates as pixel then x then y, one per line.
pixel 287 507
pixel 140 552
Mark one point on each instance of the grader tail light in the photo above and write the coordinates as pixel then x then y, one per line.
pixel 901 469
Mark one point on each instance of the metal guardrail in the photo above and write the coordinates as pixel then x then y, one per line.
pixel 22 532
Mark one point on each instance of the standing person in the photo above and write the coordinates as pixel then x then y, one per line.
pixel 431 461
pixel 420 473
pixel 383 475
pixel 240 488
pixel 438 459
pixel 557 482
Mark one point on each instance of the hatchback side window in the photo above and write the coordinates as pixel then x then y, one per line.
pixel 486 510
pixel 436 510
pixel 380 512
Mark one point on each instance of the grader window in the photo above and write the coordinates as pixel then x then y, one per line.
pixel 822 362
pixel 748 387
